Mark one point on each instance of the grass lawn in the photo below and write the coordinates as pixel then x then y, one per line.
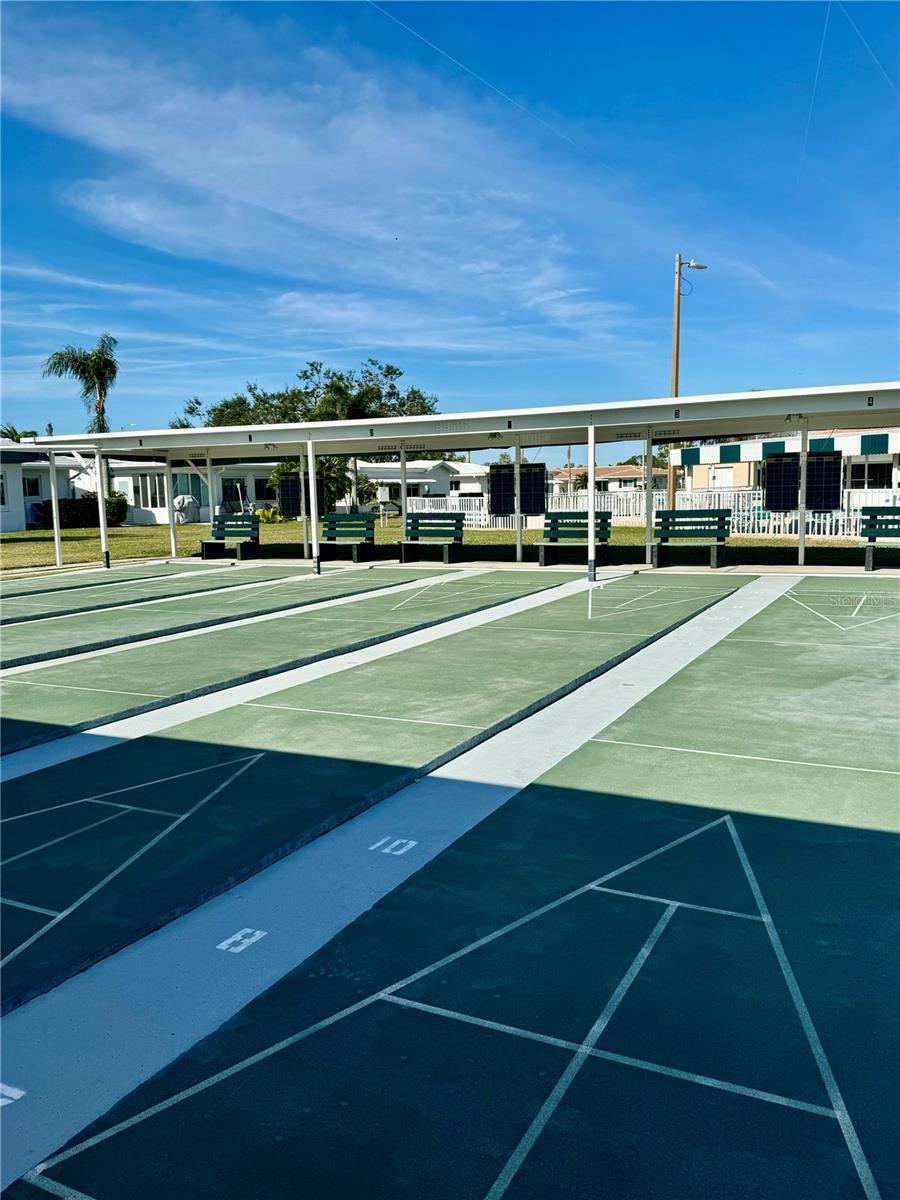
pixel 34 548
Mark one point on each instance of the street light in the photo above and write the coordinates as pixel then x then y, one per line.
pixel 680 266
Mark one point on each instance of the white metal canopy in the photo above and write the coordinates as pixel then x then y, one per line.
pixel 670 419
pixel 682 418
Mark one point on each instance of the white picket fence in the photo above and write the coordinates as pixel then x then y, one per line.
pixel 747 505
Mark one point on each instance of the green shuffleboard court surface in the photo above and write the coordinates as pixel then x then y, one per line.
pixel 63 580
pixel 168 820
pixel 103 596
pixel 76 632
pixel 56 699
pixel 643 977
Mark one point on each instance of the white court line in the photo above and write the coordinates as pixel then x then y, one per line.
pixel 249 762
pixel 35 908
pixel 73 687
pixel 859 606
pixel 720 912
pixel 56 1189
pixel 63 837
pixel 326 1022
pixel 872 620
pixel 870 1187
pixel 853 647
pixel 815 612
pixel 138 582
pixel 609 1056
pixel 642 596
pixel 414 596
pixel 579 1058
pixel 331 712
pixel 100 797
pixel 788 762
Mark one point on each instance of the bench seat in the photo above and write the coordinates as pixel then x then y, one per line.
pixel 444 531
pixel 705 525
pixel 570 529
pixel 242 528
pixel 356 531
pixel 878 522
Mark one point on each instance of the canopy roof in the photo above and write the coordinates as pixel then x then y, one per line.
pixel 683 418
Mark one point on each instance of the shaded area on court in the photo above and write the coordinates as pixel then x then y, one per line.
pixel 381 1070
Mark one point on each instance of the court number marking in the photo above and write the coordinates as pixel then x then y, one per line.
pixel 9 1094
pixel 241 940
pixel 394 846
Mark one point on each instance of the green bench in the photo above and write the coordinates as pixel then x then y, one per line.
pixel 702 524
pixel 878 523
pixel 563 529
pixel 442 530
pixel 242 528
pixel 354 530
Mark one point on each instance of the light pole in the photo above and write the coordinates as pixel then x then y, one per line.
pixel 676 350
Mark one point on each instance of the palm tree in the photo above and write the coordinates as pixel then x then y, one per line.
pixel 95 370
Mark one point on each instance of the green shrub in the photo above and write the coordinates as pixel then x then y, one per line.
pixel 81 513
pixel 269 516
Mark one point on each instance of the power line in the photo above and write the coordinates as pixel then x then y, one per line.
pixel 486 83
pixel 815 88
pixel 877 61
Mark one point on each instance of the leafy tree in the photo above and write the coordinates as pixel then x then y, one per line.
pixel 580 481
pixel 504 458
pixel 95 370
pixel 15 435
pixel 660 458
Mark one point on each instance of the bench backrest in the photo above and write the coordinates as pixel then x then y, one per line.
pixel 448 526
pixel 358 527
pixel 573 526
pixel 706 523
pixel 235 525
pixel 880 522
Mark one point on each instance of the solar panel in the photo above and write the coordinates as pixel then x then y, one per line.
pixel 502 488
pixel 289 495
pixel 823 482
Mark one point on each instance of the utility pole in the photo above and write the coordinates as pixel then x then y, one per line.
pixel 676 356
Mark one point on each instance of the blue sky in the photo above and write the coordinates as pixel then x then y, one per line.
pixel 234 189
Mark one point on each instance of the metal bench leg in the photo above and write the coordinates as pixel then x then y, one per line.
pixel 212 549
pixel 870 556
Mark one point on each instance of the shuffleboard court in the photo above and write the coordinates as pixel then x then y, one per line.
pixel 104 596
pixel 54 637
pixel 208 802
pixel 66 580
pixel 55 700
pixel 665 971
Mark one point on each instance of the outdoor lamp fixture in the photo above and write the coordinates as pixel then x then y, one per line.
pixel 680 267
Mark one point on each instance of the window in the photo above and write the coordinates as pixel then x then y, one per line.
pixel 454 485
pixel 186 483
pixel 231 491
pixel 263 490
pixel 151 491
pixel 31 486
pixel 870 475
pixel 2 490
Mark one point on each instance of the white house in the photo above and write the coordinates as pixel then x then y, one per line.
pixel 25 483
pixel 622 476
pixel 427 477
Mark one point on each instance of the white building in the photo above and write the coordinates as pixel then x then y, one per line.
pixel 427 477
pixel 616 478
pixel 871 459
pixel 25 483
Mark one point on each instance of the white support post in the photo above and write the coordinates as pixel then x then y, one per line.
pixel 303 508
pixel 592 502
pixel 54 508
pixel 801 496
pixel 313 506
pixel 403 488
pixel 517 498
pixel 170 507
pixel 101 508
pixel 209 488
pixel 648 496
